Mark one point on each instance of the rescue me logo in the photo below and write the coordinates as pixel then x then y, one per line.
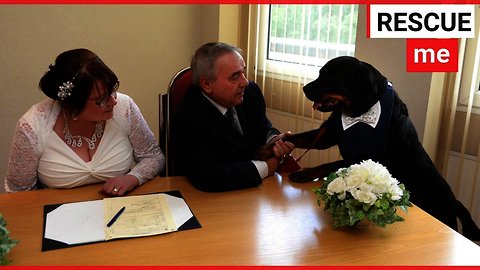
pixel 432 32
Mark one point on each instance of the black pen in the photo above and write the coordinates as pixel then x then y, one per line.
pixel 115 217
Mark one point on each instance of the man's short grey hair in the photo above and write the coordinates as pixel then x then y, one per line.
pixel 203 61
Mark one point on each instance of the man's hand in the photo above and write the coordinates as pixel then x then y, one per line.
pixel 282 148
pixel 272 164
pixel 276 147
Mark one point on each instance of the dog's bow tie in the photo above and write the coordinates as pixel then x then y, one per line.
pixel 371 117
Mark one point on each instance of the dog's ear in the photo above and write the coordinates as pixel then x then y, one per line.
pixel 378 82
pixel 370 87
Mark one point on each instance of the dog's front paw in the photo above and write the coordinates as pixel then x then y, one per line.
pixel 303 175
pixel 310 174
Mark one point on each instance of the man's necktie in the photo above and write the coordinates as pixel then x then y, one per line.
pixel 230 114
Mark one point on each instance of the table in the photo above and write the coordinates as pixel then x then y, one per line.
pixel 277 223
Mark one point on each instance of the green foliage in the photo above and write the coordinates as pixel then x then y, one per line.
pixel 349 211
pixel 6 243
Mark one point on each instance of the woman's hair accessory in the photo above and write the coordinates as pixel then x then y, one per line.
pixel 65 90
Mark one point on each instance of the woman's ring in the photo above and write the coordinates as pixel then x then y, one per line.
pixel 115 189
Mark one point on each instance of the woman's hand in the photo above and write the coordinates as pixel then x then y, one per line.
pixel 119 185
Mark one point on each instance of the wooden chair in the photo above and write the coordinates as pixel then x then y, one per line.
pixel 177 88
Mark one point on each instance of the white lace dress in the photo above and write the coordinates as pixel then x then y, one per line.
pixel 39 154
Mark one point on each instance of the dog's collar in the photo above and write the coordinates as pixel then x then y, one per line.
pixel 371 117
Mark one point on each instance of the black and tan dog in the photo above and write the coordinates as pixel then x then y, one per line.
pixel 370 121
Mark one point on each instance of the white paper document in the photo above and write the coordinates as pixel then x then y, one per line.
pixel 85 222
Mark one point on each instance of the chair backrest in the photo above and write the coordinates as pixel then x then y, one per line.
pixel 177 89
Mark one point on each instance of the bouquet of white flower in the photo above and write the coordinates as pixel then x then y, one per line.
pixel 365 190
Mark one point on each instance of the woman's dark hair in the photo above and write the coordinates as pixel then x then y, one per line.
pixel 83 69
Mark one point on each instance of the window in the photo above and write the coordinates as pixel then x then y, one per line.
pixel 298 39
pixel 470 74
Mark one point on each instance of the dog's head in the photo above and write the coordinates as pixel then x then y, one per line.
pixel 346 84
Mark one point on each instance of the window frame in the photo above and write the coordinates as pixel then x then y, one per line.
pixel 470 72
pixel 283 70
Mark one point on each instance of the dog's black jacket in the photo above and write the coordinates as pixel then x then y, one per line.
pixel 393 142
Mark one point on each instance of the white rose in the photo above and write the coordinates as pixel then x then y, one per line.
pixel 365 197
pixel 365 187
pixel 353 181
pixel 396 193
pixel 336 186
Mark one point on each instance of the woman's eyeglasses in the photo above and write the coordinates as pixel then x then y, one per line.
pixel 102 102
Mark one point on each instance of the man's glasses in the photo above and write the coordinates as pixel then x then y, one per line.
pixel 102 102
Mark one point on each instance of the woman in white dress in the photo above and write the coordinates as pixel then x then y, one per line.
pixel 85 132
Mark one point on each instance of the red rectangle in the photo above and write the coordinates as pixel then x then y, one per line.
pixel 432 55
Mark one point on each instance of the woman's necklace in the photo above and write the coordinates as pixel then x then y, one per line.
pixel 76 141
